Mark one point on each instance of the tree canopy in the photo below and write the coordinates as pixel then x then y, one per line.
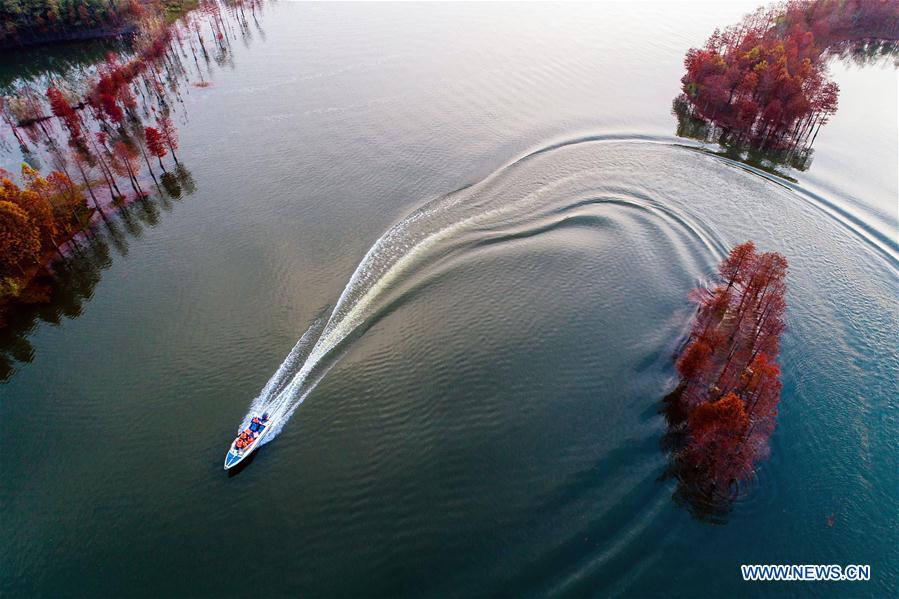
pixel 764 81
pixel 730 379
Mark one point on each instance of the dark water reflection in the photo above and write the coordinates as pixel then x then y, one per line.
pixel 691 127
pixel 868 53
pixel 64 62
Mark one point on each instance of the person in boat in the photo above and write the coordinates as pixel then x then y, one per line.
pixel 256 420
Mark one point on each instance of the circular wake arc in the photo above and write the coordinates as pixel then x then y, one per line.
pixel 584 173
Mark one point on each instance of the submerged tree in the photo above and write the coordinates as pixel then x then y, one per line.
pixel 762 84
pixel 156 144
pixel 35 215
pixel 19 241
pixel 90 131
pixel 725 406
pixel 170 134
pixel 63 110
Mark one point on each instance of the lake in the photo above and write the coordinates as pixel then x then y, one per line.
pixel 483 223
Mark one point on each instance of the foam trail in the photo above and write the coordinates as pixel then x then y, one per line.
pixel 281 377
pixel 385 261
pixel 437 221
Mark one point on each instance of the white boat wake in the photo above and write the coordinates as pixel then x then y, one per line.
pixel 536 186
pixel 391 255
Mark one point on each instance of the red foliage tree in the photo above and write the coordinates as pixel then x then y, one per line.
pixel 734 266
pixel 156 144
pixel 730 383
pixel 170 134
pixel 19 242
pixel 764 81
pixel 64 112
pixel 717 448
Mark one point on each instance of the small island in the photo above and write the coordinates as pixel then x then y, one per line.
pixel 762 85
pixel 726 403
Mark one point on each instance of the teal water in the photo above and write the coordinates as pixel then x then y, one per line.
pixel 485 418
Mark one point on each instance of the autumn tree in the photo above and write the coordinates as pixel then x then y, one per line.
pixel 170 134
pixel 764 83
pixel 81 157
pixel 64 111
pixel 19 242
pixel 717 445
pixel 736 263
pixel 53 203
pixel 156 144
pixel 35 205
pixel 730 380
pixel 69 204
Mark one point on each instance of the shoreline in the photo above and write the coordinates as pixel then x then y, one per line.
pixel 62 38
pixel 170 12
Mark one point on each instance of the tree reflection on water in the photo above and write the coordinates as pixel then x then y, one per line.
pixel 63 293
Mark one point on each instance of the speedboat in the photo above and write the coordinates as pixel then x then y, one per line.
pixel 247 441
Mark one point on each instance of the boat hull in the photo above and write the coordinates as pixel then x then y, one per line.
pixel 236 456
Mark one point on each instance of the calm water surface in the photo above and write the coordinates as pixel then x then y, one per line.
pixel 485 420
